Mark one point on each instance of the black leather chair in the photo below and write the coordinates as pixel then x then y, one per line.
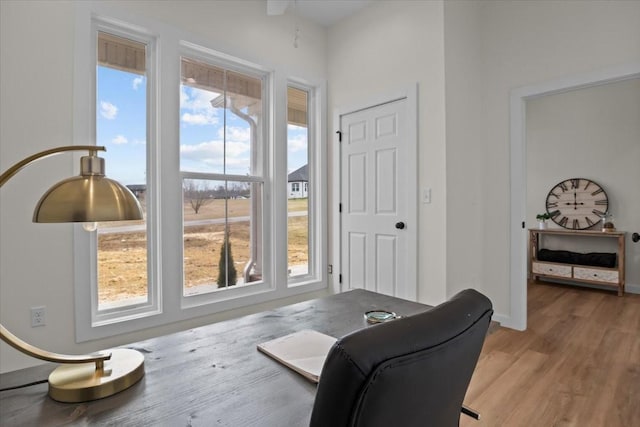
pixel 412 371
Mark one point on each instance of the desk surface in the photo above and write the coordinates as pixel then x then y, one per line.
pixel 211 375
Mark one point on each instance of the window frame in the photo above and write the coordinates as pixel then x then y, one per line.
pixel 85 244
pixel 208 56
pixel 316 164
pixel 164 190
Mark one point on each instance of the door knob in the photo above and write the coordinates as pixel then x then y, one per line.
pixel 635 237
pixel 400 225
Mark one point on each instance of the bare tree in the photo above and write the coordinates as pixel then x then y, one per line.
pixel 197 193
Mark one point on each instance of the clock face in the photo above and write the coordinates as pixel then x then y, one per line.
pixel 577 203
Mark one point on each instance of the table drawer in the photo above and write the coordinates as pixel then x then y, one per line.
pixel 551 269
pixel 596 274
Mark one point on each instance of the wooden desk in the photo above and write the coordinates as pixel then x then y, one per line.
pixel 208 376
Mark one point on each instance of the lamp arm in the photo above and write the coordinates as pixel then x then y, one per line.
pixel 38 353
pixel 7 336
pixel 6 175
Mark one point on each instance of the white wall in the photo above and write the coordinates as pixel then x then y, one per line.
pixel 521 43
pixel 592 133
pixel 36 84
pixel 382 50
pixel 467 157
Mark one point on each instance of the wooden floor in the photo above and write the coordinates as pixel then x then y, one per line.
pixel 577 364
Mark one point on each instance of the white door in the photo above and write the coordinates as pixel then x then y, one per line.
pixel 378 200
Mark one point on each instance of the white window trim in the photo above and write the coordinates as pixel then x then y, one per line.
pixel 166 306
pixel 317 158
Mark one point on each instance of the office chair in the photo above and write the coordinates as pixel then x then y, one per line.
pixel 413 371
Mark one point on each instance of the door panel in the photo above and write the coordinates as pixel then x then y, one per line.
pixel 386 262
pixel 374 149
pixel 386 172
pixel 358 255
pixel 357 184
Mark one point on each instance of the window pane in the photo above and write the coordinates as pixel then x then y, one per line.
pixel 121 126
pixel 220 112
pixel 220 135
pixel 213 211
pixel 298 179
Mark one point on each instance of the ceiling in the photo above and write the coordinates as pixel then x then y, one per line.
pixel 323 12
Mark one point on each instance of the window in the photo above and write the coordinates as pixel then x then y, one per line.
pixel 203 163
pixel 298 159
pixel 121 126
pixel 221 145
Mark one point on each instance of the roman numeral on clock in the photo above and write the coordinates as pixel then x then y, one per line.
pixel 598 191
pixel 551 205
pixel 564 186
pixel 601 202
pixel 589 221
pixel 576 224
pixel 554 214
pixel 597 212
pixel 575 183
pixel 563 221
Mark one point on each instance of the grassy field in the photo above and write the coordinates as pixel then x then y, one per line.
pixel 122 257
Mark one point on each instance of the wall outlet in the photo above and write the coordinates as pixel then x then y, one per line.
pixel 38 316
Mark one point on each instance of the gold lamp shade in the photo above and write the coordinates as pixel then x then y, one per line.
pixel 87 199
pixel 90 197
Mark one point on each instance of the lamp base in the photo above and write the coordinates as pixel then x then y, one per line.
pixel 74 383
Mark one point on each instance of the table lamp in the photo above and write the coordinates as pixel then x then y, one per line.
pixel 88 198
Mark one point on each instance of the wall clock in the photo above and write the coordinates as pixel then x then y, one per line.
pixel 577 203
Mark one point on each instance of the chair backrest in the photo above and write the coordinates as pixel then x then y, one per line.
pixel 413 371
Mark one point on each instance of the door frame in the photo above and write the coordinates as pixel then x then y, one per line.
pixel 518 233
pixel 410 93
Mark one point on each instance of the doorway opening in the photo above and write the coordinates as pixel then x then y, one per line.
pixel 518 174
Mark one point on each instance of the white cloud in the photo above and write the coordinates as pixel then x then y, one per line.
pixel 234 133
pixel 297 138
pixel 197 103
pixel 108 110
pixel 137 82
pixel 297 143
pixel 119 140
pixel 210 155
pixel 199 119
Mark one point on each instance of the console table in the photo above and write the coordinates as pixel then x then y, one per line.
pixel 611 277
pixel 211 375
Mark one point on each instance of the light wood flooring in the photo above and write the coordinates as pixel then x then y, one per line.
pixel 577 364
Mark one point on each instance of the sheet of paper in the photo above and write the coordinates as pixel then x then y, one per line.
pixel 303 351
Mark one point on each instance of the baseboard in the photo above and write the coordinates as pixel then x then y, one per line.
pixel 632 288
pixel 503 319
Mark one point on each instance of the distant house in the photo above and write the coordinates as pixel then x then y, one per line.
pixel 298 183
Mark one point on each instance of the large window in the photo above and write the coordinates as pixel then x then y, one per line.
pixel 207 142
pixel 221 145
pixel 121 126
pixel 298 165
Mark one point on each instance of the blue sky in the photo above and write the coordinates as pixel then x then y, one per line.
pixel 121 128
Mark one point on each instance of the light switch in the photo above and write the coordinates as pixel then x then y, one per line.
pixel 426 196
